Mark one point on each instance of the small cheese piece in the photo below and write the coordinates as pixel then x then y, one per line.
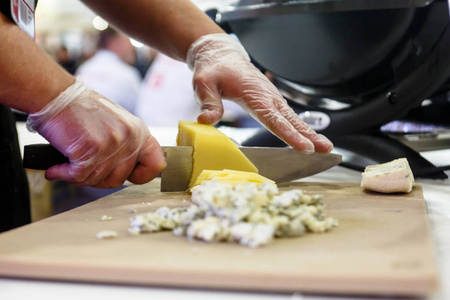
pixel 251 234
pixel 231 176
pixel 213 150
pixel 210 229
pixel 107 234
pixel 391 177
pixel 106 218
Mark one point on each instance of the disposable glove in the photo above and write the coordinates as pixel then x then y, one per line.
pixel 105 144
pixel 222 70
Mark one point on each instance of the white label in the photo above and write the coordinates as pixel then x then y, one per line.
pixel 22 12
pixel 317 120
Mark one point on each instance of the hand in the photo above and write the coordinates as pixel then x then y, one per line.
pixel 222 69
pixel 105 144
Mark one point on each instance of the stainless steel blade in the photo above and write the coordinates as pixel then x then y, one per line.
pixel 278 164
pixel 287 164
pixel 178 172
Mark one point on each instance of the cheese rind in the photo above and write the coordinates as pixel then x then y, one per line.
pixel 213 150
pixel 391 177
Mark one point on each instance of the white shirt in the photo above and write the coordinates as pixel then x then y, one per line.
pixel 166 95
pixel 108 75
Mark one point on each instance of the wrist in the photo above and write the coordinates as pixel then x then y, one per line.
pixel 212 45
pixel 56 105
pixel 46 89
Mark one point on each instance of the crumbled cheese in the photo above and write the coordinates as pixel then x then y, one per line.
pixel 106 218
pixel 210 229
pixel 133 231
pixel 252 235
pixel 250 214
pixel 107 234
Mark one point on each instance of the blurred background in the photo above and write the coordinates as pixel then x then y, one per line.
pixel 72 24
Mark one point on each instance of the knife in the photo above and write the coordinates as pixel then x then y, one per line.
pixel 277 164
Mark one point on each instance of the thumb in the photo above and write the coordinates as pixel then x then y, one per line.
pixel 209 100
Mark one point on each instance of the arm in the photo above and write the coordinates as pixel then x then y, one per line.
pixel 169 26
pixel 221 66
pixel 105 144
pixel 30 78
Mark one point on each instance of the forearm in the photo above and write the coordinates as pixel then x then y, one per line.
pixel 30 78
pixel 169 26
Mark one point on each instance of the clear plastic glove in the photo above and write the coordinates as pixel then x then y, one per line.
pixel 105 144
pixel 222 69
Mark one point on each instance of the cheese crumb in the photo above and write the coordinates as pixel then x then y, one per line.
pixel 106 218
pixel 133 231
pixel 107 234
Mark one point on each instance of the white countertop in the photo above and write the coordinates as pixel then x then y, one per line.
pixel 436 194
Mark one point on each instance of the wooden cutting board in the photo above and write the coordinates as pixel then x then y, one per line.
pixel 382 247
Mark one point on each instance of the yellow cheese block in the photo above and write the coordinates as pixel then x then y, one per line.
pixel 213 150
pixel 231 176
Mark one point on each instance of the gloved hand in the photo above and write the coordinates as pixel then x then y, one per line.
pixel 222 69
pixel 105 144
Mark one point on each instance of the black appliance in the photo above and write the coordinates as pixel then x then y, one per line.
pixel 349 66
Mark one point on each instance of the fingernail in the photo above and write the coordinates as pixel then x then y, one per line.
pixel 323 139
pixel 309 147
pixel 208 116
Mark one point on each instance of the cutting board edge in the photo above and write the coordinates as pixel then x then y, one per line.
pixel 416 286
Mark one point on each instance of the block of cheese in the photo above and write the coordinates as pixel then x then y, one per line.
pixel 213 150
pixel 391 177
pixel 231 176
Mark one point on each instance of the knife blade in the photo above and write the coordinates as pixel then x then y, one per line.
pixel 278 164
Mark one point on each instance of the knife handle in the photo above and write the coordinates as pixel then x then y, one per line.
pixel 42 157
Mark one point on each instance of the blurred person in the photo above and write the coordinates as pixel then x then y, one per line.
pixel 65 60
pixel 105 144
pixel 166 94
pixel 110 70
pixel 144 59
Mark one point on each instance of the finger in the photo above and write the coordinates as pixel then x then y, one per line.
pixel 150 164
pixel 69 172
pixel 281 127
pixel 90 172
pixel 321 143
pixel 106 170
pixel 210 103
pixel 151 153
pixel 118 176
pixel 261 106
